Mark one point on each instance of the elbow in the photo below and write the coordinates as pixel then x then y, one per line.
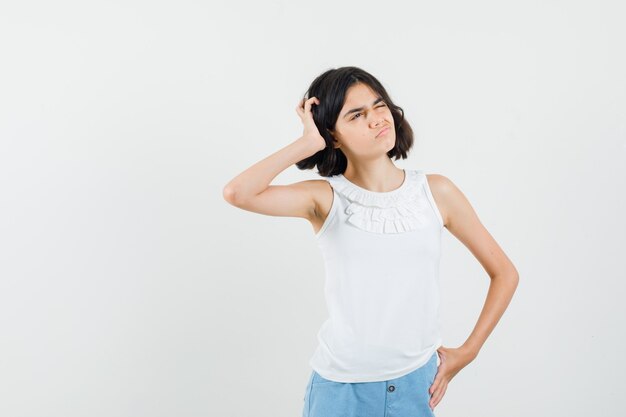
pixel 512 274
pixel 514 277
pixel 230 195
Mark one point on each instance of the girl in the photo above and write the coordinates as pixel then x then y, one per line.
pixel 379 228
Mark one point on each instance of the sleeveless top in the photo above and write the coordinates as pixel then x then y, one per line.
pixel 381 255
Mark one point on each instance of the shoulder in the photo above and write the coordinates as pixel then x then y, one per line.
pixel 439 183
pixel 443 191
pixel 322 192
pixel 449 196
pixel 318 185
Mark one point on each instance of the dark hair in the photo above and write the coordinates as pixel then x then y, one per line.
pixel 331 88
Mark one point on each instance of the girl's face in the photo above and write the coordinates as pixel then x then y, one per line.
pixel 359 130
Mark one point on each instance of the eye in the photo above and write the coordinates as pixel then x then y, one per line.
pixel 356 114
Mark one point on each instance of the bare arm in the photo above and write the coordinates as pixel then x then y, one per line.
pixel 251 189
pixel 463 222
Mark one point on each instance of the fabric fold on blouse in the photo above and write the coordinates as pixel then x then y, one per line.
pixel 397 211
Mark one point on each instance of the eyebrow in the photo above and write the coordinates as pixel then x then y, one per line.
pixel 358 109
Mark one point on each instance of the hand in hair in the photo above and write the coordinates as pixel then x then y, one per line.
pixel 311 133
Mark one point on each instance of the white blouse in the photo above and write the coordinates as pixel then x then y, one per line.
pixel 381 253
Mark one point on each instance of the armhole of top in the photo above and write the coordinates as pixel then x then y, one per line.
pixel 331 212
pixel 432 201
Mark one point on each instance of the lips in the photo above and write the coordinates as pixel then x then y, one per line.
pixel 383 131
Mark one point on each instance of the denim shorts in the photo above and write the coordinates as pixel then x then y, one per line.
pixel 406 396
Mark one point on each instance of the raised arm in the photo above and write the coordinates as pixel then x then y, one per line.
pixel 251 189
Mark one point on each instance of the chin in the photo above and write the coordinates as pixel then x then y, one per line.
pixel 393 144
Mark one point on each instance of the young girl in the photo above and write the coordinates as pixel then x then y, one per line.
pixel 379 228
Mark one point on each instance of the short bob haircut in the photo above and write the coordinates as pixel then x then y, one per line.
pixel 331 88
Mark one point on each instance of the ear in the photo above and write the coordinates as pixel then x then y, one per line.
pixel 336 143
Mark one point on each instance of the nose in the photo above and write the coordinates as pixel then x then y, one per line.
pixel 379 122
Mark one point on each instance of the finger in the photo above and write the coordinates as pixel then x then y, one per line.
pixel 432 403
pixel 433 399
pixel 440 352
pixel 307 105
pixel 300 108
pixel 300 105
pixel 437 396
pixel 436 383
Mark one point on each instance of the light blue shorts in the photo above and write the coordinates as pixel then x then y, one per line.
pixel 406 396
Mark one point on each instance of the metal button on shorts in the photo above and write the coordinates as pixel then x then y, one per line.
pixel 406 396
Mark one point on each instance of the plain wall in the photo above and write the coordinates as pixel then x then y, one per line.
pixel 129 287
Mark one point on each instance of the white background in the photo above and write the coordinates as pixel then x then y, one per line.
pixel 129 287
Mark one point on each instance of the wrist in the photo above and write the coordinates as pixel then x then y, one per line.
pixel 469 350
pixel 312 145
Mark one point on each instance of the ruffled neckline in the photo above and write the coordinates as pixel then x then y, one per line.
pixel 396 211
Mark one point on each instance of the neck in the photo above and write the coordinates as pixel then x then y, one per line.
pixel 377 176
